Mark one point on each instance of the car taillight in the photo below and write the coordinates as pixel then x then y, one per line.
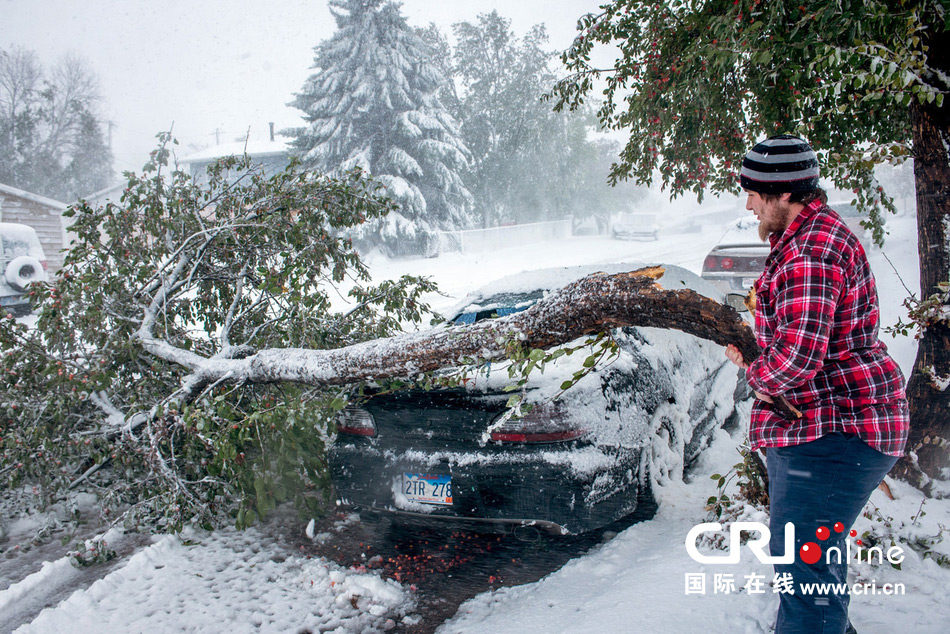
pixel 720 263
pixel 356 421
pixel 545 423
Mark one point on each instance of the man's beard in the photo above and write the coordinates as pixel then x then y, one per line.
pixel 777 223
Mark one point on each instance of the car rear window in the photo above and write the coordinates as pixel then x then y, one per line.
pixel 497 306
pixel 19 240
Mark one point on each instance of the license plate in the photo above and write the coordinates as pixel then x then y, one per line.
pixel 748 282
pixel 427 489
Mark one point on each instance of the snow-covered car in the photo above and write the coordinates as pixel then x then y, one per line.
pixel 636 226
pixel 23 262
pixel 577 461
pixel 853 218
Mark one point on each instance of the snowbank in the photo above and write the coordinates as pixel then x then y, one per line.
pixel 226 581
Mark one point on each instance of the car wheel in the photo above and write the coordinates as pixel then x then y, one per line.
pixel 23 270
pixel 667 451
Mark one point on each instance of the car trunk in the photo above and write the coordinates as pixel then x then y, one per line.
pixel 440 419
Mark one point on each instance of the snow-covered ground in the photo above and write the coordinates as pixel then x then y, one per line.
pixel 230 581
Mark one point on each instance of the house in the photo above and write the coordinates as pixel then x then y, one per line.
pixel 272 156
pixel 110 194
pixel 44 215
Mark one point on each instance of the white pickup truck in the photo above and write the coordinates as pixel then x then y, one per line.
pixel 22 262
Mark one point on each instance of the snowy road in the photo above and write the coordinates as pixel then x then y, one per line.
pixel 458 273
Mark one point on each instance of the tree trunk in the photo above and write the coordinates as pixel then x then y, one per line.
pixel 929 443
pixel 594 304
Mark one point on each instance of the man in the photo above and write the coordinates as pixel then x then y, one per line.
pixel 816 319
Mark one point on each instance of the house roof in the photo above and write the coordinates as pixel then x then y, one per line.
pixel 36 198
pixel 106 192
pixel 238 148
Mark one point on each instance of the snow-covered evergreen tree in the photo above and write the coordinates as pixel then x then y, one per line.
pixel 372 103
pixel 529 163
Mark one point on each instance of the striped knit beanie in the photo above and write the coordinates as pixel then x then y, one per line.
pixel 780 164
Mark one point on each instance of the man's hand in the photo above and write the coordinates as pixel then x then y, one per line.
pixel 733 354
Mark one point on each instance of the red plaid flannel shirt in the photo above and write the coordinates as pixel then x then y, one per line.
pixel 816 320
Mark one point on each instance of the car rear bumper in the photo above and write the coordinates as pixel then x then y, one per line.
pixel 16 304
pixel 473 523
pixel 497 489
pixel 735 287
pixel 740 282
pixel 629 234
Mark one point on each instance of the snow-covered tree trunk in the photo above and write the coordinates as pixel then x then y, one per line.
pixel 592 305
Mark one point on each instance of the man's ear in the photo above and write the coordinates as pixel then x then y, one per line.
pixel 785 197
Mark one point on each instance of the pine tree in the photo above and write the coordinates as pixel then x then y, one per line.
pixel 373 104
pixel 503 119
pixel 529 163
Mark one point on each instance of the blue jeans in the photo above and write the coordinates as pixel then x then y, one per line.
pixel 818 484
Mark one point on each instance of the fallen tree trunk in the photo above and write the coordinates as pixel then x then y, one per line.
pixel 588 306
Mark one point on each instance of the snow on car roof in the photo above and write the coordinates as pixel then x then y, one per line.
pixel 551 279
pixel 17 237
pixel 17 231
pixel 744 230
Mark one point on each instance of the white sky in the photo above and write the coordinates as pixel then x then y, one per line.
pixel 225 65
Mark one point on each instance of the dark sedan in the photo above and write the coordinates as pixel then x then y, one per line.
pixel 577 461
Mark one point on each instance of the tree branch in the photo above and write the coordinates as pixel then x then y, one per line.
pixel 591 305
